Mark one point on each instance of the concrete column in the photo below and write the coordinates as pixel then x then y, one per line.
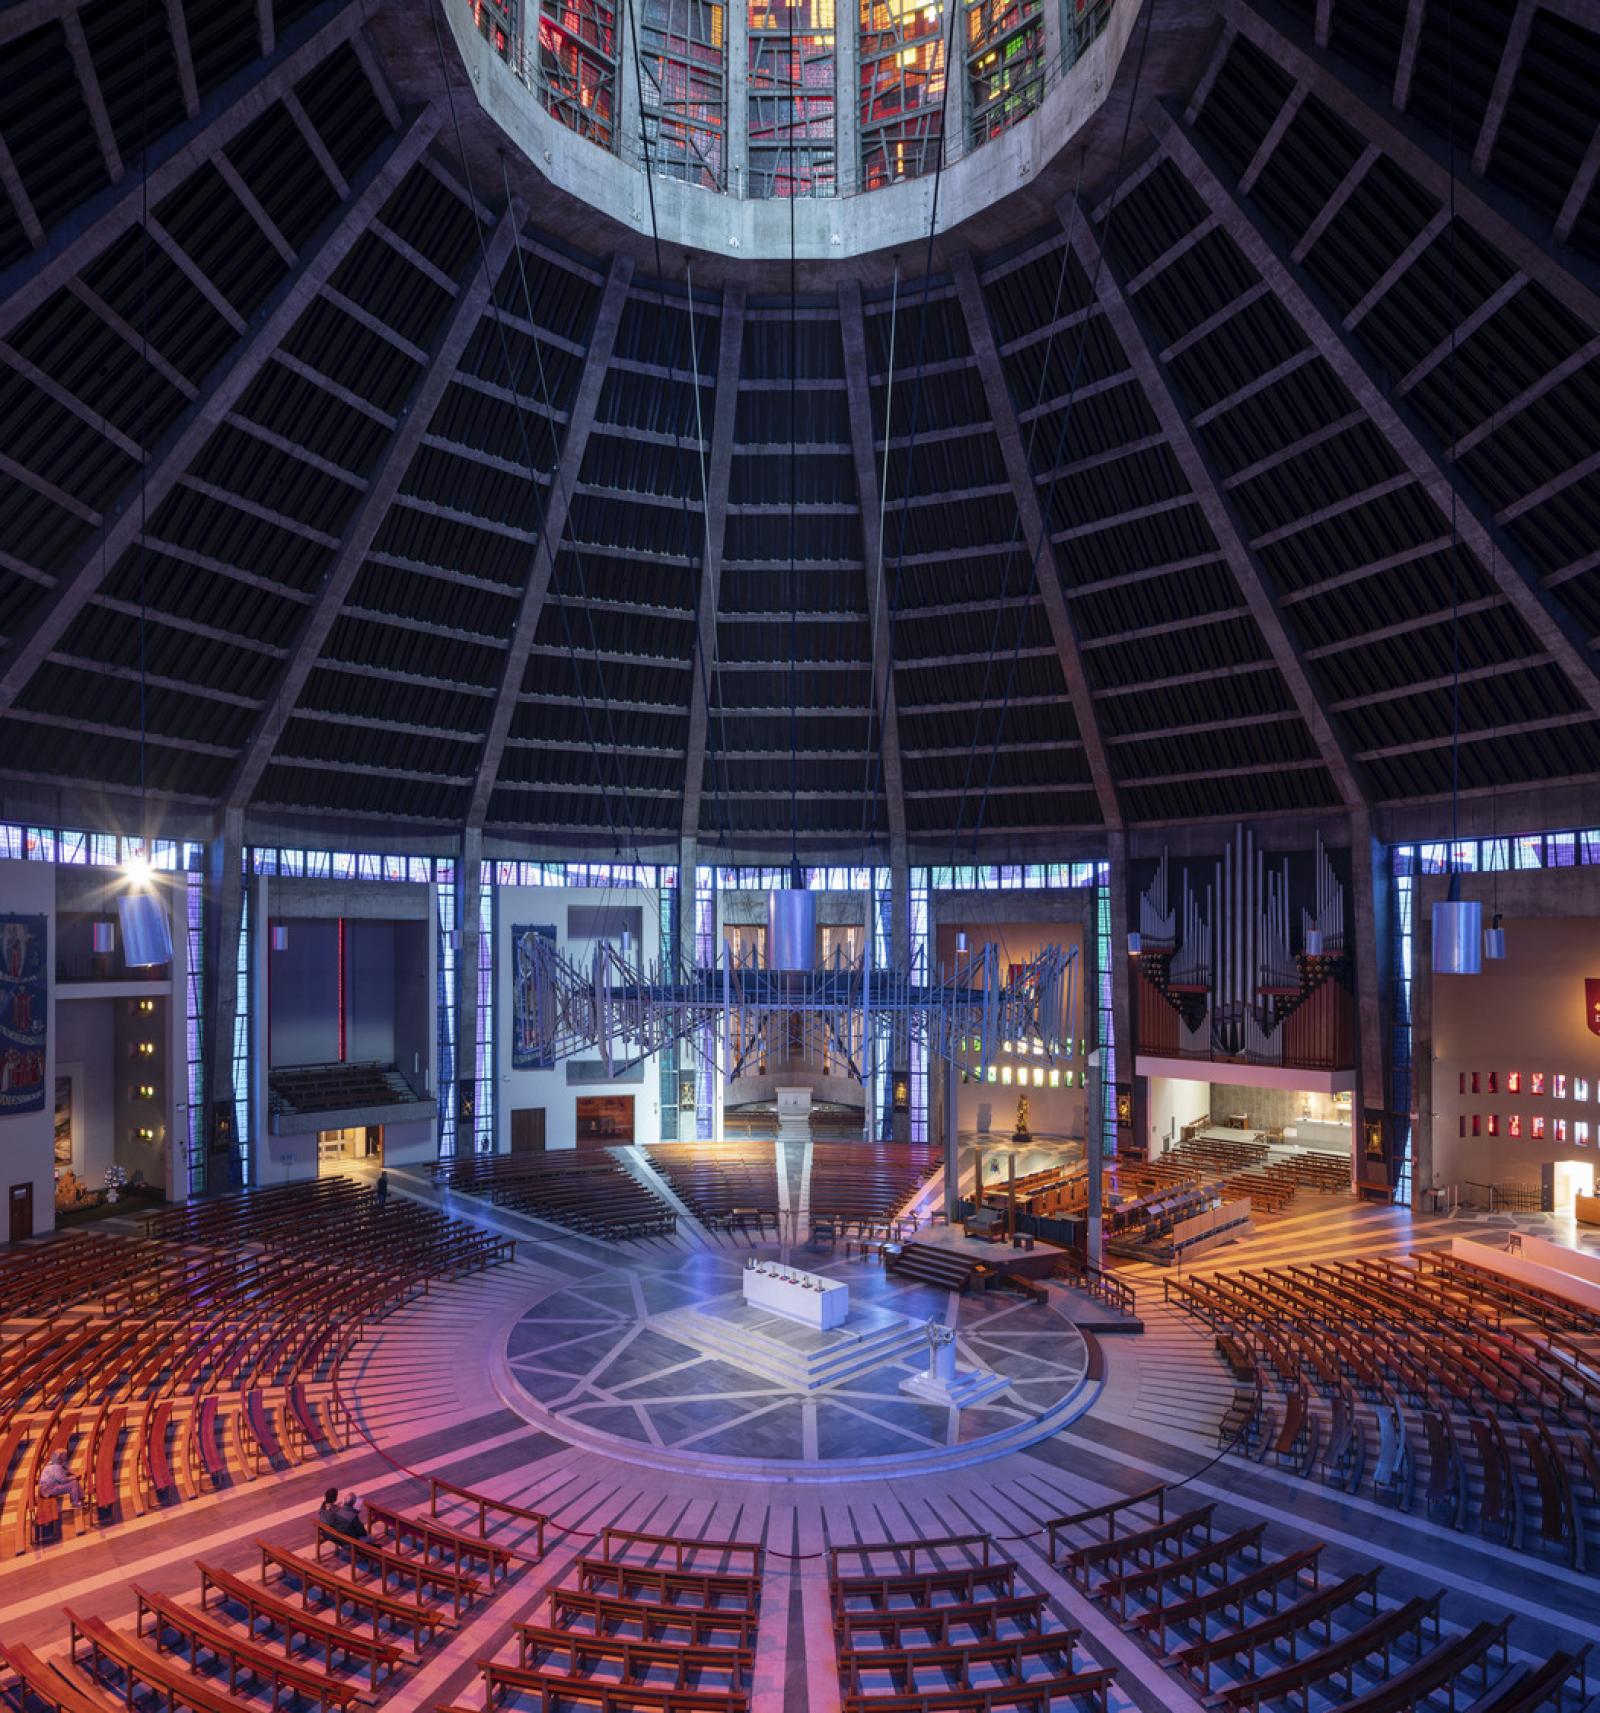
pixel 469 892
pixel 629 141
pixel 738 69
pixel 1369 896
pixel 1057 40
pixel 1094 1138
pixel 1425 892
pixel 900 958
pixel 847 96
pixel 952 1146
pixel 1122 978
pixel 214 1153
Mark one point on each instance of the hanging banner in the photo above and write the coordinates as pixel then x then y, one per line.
pixel 24 1011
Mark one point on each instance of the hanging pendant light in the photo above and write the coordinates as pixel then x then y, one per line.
pixel 146 932
pixel 1457 923
pixel 1457 932
pixel 1494 937
pixel 1313 942
pixel 104 937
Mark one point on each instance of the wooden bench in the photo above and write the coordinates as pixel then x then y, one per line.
pixel 1188 1565
pixel 536 1520
pixel 960 1583
pixel 174 1684
pixel 1437 1669
pixel 377 1605
pixel 243 1656
pixel 1531 1687
pixel 1024 1610
pixel 670 1587
pixel 1283 1623
pixel 461 1585
pixel 432 1537
pixel 1107 1513
pixel 656 1623
pixel 291 1621
pixel 48 1684
pixel 1340 1659
pixel 957 1661
pixel 603 1694
pixel 1230 1596
pixel 634 1658
pixel 1080 1561
pixel 1035 1697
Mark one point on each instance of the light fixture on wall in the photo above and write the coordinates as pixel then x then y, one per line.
pixel 103 936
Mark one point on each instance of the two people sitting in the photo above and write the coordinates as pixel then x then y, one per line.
pixel 56 1481
pixel 343 1516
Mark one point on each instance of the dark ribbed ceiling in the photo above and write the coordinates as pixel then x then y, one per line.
pixel 364 396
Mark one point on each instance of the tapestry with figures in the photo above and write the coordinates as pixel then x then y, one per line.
pixel 24 1011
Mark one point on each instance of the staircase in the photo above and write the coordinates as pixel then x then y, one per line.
pixel 930 1265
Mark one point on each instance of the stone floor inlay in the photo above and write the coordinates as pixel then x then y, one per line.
pixel 674 1360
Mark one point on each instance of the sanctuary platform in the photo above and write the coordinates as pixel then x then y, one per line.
pixel 789 1352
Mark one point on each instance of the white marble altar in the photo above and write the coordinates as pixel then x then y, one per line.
pixel 790 1291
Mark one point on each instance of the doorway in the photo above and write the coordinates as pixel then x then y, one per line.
pixel 21 1212
pixel 336 1148
pixel 604 1119
pixel 1572 1178
pixel 527 1130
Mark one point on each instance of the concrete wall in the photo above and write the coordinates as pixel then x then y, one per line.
pixel 303 993
pixel 1174 1102
pixel 1568 895
pixel 1328 1124
pixel 85 1046
pixel 1526 1014
pixel 27 1139
pixel 549 906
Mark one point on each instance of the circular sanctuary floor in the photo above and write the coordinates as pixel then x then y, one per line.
pixel 666 1366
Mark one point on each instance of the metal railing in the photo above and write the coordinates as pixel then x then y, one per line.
pixel 642 145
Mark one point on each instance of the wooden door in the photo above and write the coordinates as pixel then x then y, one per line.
pixel 21 1212
pixel 527 1130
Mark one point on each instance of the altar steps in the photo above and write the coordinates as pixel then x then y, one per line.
pixel 930 1265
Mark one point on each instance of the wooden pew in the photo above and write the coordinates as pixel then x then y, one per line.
pixel 376 1605
pixel 243 1655
pixel 258 1605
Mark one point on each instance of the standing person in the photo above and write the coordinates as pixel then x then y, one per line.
pixel 383 1191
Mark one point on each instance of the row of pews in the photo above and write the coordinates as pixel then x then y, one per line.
pixel 204 1353
pixel 1248 1628
pixel 643 1623
pixel 331 1623
pixel 584 1189
pixel 860 1189
pixel 728 1186
pixel 948 1624
pixel 1434 1383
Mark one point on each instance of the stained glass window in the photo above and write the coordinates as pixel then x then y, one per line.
pixel 791 98
pixel 902 90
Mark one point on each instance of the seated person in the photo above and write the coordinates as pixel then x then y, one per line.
pixel 343 1517
pixel 57 1481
